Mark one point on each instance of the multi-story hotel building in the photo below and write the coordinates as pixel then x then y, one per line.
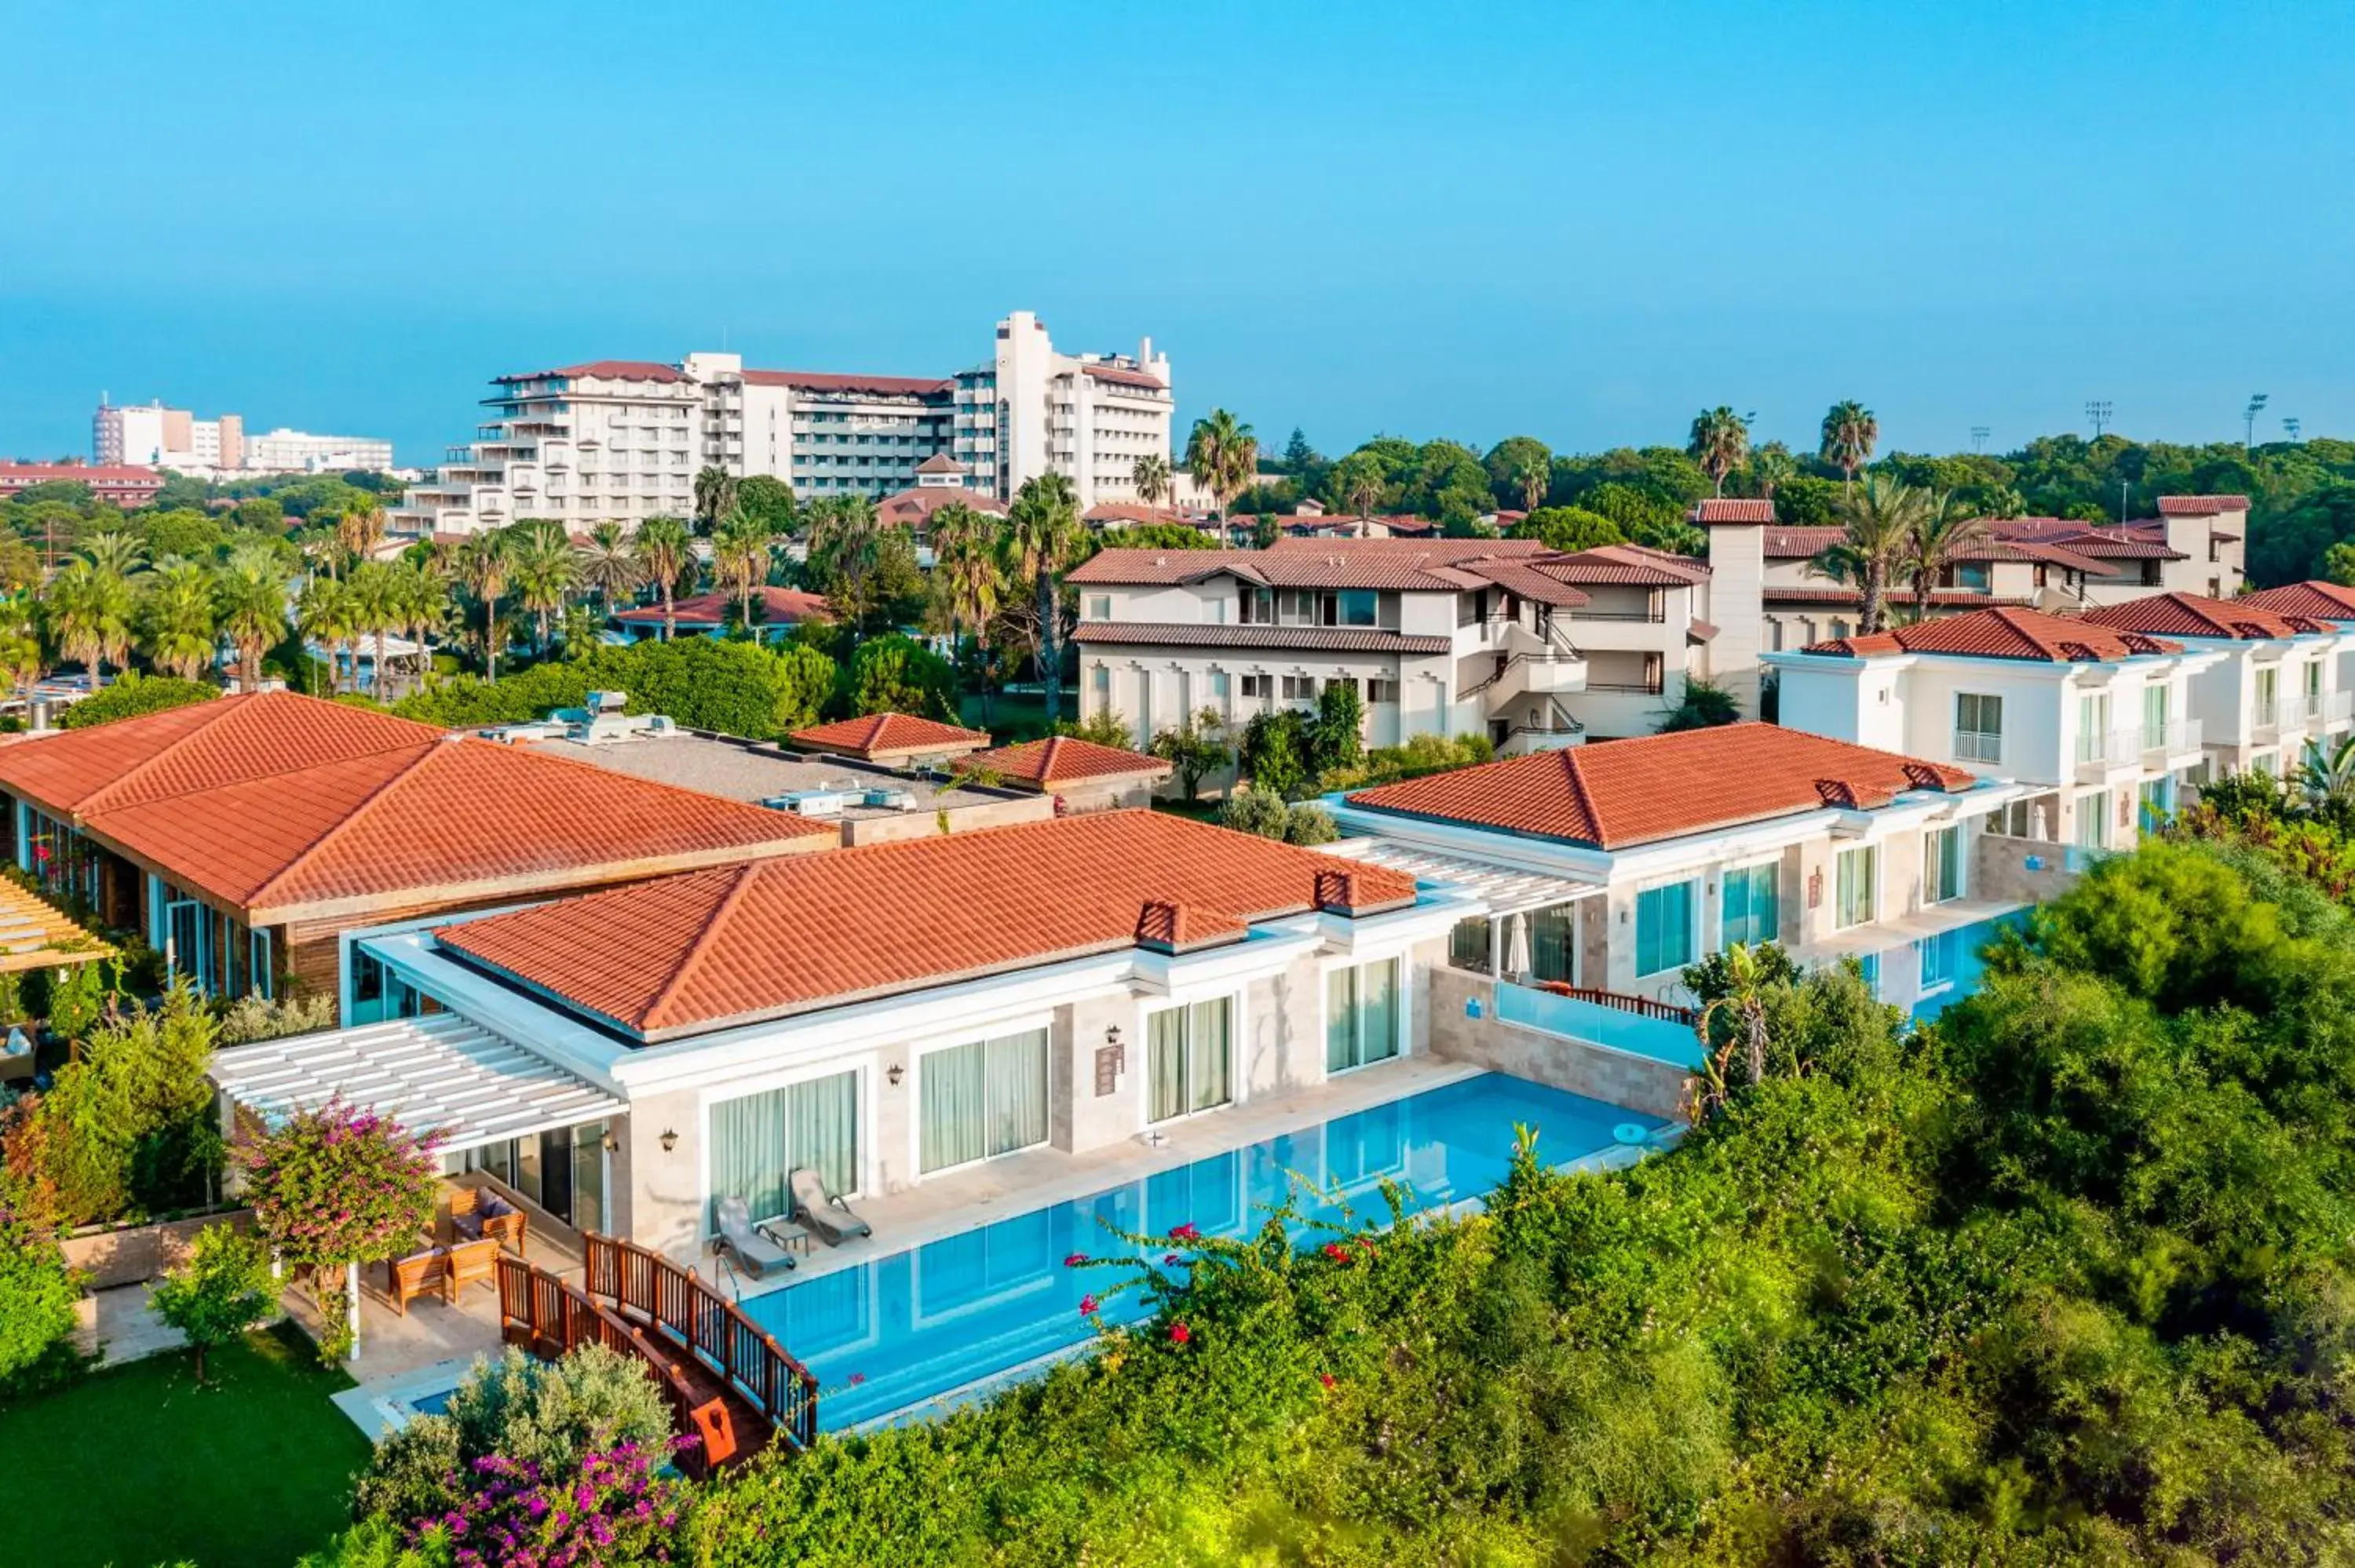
pixel 622 439
pixel 153 436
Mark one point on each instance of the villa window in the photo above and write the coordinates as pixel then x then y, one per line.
pixel 758 1141
pixel 2094 819
pixel 1859 888
pixel 985 1099
pixel 1256 607
pixel 1942 865
pixel 1098 607
pixel 1752 906
pixel 1978 727
pixel 1663 927
pixel 1381 691
pixel 1187 1051
pixel 2154 717
pixel 1361 1015
pixel 2156 803
pixel 1260 686
pixel 2268 696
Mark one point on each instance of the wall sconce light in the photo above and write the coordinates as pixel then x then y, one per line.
pixel 1111 1037
pixel 612 1144
pixel 893 1073
pixel 669 1140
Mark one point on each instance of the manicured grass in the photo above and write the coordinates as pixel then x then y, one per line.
pixel 138 1466
pixel 1013 716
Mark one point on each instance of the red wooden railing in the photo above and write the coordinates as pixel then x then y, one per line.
pixel 551 1316
pixel 647 1285
pixel 1641 1006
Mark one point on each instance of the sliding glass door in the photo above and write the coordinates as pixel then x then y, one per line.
pixel 758 1141
pixel 985 1099
pixel 1188 1050
pixel 1361 1015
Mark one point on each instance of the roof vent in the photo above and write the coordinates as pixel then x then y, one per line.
pixel 808 803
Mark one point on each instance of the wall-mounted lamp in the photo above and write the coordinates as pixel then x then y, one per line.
pixel 1111 1037
pixel 612 1144
pixel 669 1140
pixel 893 1073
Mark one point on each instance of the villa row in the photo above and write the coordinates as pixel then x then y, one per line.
pixel 1537 648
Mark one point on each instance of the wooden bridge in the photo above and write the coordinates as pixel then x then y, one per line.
pixel 730 1382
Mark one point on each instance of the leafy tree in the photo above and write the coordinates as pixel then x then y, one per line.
pixel 1359 483
pixel 1703 705
pixel 1337 737
pixel 133 694
pixel 338 1185
pixel 1298 455
pixel 1277 754
pixel 222 1289
pixel 190 535
pixel 1155 536
pixel 1568 529
pixel 38 1294
pixel 899 674
pixel 1194 747
pixel 1849 434
pixel 769 502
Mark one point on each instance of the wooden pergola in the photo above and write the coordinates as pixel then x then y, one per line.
pixel 36 934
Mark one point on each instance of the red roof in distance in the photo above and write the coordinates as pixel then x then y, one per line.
pixel 2003 634
pixel 603 370
pixel 826 381
pixel 2195 615
pixel 1622 793
pixel 1062 759
pixel 886 738
pixel 2313 598
pixel 778 606
pixel 2200 505
pixel 779 936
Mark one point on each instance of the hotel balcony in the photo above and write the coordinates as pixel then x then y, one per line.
pixel 2167 747
pixel 2102 752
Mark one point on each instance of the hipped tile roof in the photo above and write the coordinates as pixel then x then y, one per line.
pixel 1062 759
pixel 2313 598
pixel 2200 505
pixel 1314 639
pixel 741 943
pixel 779 607
pixel 2195 615
pixel 1622 793
pixel 884 735
pixel 2004 634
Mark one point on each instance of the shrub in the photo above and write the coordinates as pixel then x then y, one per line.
pixel 1337 737
pixel 898 675
pixel 610 1508
pixel 222 1289
pixel 1106 728
pixel 133 694
pixel 1275 753
pixel 1248 810
pixel 1305 823
pixel 251 1018
pixel 38 1292
pixel 1704 705
pixel 339 1184
pixel 1196 746
pixel 126 1126
pixel 735 688
pixel 1568 529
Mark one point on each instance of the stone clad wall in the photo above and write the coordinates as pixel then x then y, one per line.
pixel 1635 1082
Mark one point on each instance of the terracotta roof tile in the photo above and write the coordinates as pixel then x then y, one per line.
pixel 2194 615
pixel 1063 759
pixel 1625 564
pixel 200 747
pixel 1626 792
pixel 2313 598
pixel 1835 598
pixel 2200 505
pixel 779 607
pixel 913 508
pixel 1121 376
pixel 777 937
pixel 827 381
pixel 1170 927
pixel 440 818
pixel 1195 634
pixel 882 736
pixel 2004 634
pixel 1733 509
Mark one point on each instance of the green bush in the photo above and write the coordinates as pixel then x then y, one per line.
pixel 734 688
pixel 898 675
pixel 1249 811
pixel 38 1292
pixel 126 1126
pixel 251 1018
pixel 132 694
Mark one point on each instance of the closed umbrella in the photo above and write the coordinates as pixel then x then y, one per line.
pixel 1517 949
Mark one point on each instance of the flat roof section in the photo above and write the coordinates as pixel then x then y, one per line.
pixel 755 771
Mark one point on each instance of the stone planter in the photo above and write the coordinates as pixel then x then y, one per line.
pixel 132 1255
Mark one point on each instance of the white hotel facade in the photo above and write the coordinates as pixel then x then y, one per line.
pixel 622 439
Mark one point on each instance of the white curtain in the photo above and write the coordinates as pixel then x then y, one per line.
pixel 985 1099
pixel 748 1152
pixel 955 1082
pixel 1188 1054
pixel 1166 1063
pixel 1206 1054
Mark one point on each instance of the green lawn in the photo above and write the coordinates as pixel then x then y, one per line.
pixel 138 1466
pixel 1013 716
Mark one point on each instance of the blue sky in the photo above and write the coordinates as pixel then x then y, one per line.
pixel 1582 223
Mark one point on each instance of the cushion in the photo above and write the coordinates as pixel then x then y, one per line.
pixel 494 1206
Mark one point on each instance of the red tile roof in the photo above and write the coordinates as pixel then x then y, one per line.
pixel 940 462
pixel 2004 634
pixel 913 508
pixel 2313 598
pixel 1625 564
pixel 885 736
pixel 1835 598
pixel 2194 615
pixel 1733 509
pixel 203 746
pixel 438 822
pixel 1120 375
pixel 1063 759
pixel 779 607
pixel 603 370
pixel 779 937
pixel 1137 512
pixel 823 381
pixel 1628 793
pixel 2200 505
pixel 25 474
pixel 1195 634
pixel 1440 552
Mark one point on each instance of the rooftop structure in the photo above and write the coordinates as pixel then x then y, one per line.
pixel 777 610
pixel 891 738
pixel 1081 774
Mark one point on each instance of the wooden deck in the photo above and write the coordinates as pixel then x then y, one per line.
pixel 730 1382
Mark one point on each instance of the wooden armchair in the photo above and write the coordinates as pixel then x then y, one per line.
pixel 470 1263
pixel 477 1212
pixel 406 1278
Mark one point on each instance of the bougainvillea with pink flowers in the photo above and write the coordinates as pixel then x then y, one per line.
pixel 614 1509
pixel 339 1183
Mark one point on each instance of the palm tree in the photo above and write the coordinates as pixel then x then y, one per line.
pixel 608 565
pixel 1362 489
pixel 1719 442
pixel 1849 434
pixel 1152 476
pixel 545 570
pixel 1770 467
pixel 1043 534
pixel 1223 456
pixel 1877 519
pixel 1943 533
pixel 175 619
pixel 423 596
pixel 740 556
pixel 250 598
pixel 846 540
pixel 1743 1002
pixel 115 553
pixel 715 496
pixel 2329 776
pixel 1534 474
pixel 482 568
pixel 964 562
pixel 360 530
pixel 90 616
pixel 665 549
pixel 323 614
pixel 373 593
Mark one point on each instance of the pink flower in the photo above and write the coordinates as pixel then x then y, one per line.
pixel 858 1378
pixel 1325 1378
pixel 1179 1334
pixel 1169 1257
pixel 1336 1251
pixel 1087 1306
pixel 1189 1230
pixel 1075 1260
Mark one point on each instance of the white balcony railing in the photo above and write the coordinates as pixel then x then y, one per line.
pixel 2106 748
pixel 2161 741
pixel 1978 745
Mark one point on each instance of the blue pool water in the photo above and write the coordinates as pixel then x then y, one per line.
pixel 913 1325
pixel 1951 961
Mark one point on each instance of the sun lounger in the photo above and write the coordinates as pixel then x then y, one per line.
pixel 824 1212
pixel 738 1241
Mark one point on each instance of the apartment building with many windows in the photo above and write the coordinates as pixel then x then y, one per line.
pixel 623 440
pixel 154 436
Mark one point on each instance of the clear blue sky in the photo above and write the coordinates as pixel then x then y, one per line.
pixel 1584 223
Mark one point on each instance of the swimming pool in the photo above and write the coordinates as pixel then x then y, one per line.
pixel 913 1326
